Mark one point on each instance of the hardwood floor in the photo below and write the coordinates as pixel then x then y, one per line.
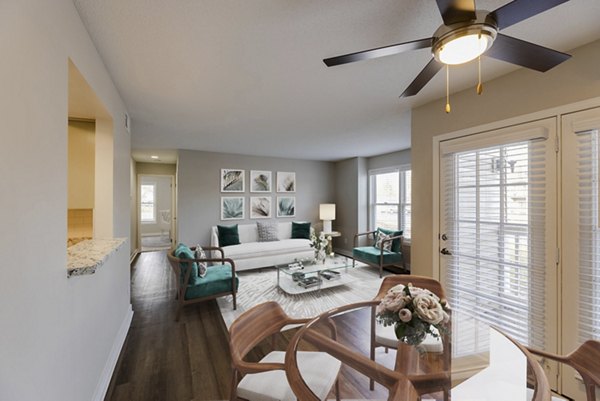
pixel 164 360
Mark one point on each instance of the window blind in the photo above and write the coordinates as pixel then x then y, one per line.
pixel 589 235
pixel 493 212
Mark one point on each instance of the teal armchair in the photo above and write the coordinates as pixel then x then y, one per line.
pixel 379 257
pixel 220 279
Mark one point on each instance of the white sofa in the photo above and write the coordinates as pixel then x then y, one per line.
pixel 251 254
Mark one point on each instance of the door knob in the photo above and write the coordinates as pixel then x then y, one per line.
pixel 445 251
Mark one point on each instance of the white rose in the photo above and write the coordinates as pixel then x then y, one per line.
pixel 428 309
pixel 405 315
pixel 394 303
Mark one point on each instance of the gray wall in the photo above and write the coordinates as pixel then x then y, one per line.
pixel 393 159
pixel 512 95
pixel 351 200
pixel 199 196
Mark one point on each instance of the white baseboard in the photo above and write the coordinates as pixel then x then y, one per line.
pixel 113 357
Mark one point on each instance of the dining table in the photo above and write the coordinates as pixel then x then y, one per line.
pixel 476 361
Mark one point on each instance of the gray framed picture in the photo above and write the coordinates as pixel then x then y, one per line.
pixel 232 180
pixel 286 181
pixel 260 181
pixel 232 208
pixel 286 206
pixel 260 207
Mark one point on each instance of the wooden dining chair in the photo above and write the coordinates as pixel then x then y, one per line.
pixel 266 379
pixel 585 360
pixel 438 349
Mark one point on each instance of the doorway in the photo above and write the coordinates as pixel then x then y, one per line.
pixel 155 212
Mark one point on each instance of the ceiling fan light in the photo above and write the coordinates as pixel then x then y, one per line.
pixel 463 45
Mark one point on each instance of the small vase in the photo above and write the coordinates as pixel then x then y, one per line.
pixel 320 256
pixel 409 335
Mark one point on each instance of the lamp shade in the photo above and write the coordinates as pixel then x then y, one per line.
pixel 327 211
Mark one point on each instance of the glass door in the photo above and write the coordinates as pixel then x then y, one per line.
pixel 497 237
pixel 580 238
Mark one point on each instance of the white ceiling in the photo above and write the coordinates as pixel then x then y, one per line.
pixel 247 77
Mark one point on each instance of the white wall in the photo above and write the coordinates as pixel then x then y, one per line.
pixel 512 95
pixel 199 196
pixel 57 334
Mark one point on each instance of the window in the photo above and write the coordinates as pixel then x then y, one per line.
pixel 390 193
pixel 148 203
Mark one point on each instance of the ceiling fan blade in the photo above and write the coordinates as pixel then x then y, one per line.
pixel 378 52
pixel 423 78
pixel 519 10
pixel 454 11
pixel 525 54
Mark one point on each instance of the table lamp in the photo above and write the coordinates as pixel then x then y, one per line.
pixel 327 213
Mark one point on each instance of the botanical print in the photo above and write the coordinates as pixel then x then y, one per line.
pixel 286 206
pixel 260 181
pixel 232 207
pixel 232 180
pixel 260 207
pixel 286 182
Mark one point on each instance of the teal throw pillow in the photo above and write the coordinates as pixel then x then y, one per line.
pixel 391 233
pixel 301 230
pixel 228 235
pixel 184 252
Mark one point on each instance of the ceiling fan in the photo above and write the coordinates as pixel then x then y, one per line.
pixel 467 34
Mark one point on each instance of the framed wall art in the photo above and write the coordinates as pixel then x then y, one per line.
pixel 286 206
pixel 260 181
pixel 260 207
pixel 286 182
pixel 232 208
pixel 232 180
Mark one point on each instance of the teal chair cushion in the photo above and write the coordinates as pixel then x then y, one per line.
pixel 217 280
pixel 184 252
pixel 392 233
pixel 370 254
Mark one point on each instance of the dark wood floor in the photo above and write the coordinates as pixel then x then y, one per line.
pixel 189 360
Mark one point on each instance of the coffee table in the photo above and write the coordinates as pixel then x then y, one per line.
pixel 304 276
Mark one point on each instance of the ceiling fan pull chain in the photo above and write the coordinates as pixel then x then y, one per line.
pixel 447 88
pixel 479 84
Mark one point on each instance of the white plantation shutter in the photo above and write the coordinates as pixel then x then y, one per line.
pixel 589 235
pixel 493 199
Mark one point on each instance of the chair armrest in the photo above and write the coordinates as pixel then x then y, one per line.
pixel 360 235
pixel 257 367
pixel 210 248
pixel 548 355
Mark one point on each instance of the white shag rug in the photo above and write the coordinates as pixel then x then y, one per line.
pixel 259 286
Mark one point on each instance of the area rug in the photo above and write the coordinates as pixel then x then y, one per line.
pixel 259 286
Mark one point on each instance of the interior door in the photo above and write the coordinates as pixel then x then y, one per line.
pixel 580 238
pixel 497 234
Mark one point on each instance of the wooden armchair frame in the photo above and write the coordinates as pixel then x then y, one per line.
pixel 381 263
pixel 250 329
pixel 584 360
pixel 182 285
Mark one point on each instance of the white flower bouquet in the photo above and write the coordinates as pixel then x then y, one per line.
pixel 414 312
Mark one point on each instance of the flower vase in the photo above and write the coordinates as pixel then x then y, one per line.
pixel 408 334
pixel 320 255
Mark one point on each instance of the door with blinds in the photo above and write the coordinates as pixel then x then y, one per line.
pixel 580 238
pixel 497 233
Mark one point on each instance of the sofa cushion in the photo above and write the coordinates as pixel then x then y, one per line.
pixel 267 231
pixel 380 237
pixel 217 280
pixel 301 230
pixel 202 266
pixel 184 252
pixel 370 254
pixel 258 249
pixel 228 235
pixel 392 233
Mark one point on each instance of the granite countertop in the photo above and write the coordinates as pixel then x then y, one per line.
pixel 86 256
